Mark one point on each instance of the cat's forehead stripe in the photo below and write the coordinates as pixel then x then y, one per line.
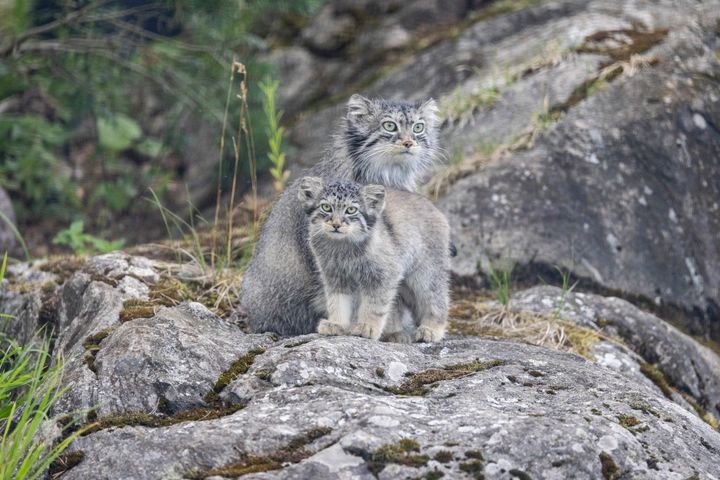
pixel 342 189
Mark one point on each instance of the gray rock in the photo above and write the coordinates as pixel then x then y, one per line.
pixel 172 359
pixel 337 407
pixel 566 420
pixel 616 192
pixel 688 365
pixel 8 241
pixel 504 80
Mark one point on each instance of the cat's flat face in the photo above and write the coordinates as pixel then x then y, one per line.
pixel 340 210
pixel 391 141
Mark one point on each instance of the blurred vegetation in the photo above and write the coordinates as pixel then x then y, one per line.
pixel 98 99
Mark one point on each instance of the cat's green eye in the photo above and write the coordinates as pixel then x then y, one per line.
pixel 419 127
pixel 325 207
pixel 351 210
pixel 389 126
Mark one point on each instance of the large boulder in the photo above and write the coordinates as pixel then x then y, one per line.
pixel 619 191
pixel 185 393
pixel 347 407
pixel 595 122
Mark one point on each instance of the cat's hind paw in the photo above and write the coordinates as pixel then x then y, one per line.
pixel 428 335
pixel 366 330
pixel 397 337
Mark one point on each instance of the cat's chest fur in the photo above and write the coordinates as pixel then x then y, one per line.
pixel 350 267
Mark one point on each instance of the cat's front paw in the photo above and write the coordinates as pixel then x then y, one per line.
pixel 397 337
pixel 366 330
pixel 428 335
pixel 326 327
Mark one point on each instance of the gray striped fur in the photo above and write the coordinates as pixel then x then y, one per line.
pixel 280 285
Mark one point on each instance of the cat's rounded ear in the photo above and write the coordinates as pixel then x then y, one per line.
pixel 429 110
pixel 359 106
pixel 373 197
pixel 309 189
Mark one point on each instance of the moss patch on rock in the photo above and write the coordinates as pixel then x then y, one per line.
pixel 65 462
pixel 419 384
pixel 610 470
pixel 63 266
pixel 404 452
pixel 238 367
pixel 91 345
pixel 294 452
pixel 141 419
pixel 136 308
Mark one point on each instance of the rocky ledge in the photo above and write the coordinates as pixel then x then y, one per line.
pixel 168 389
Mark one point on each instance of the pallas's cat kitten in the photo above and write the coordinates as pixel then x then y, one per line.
pixel 373 246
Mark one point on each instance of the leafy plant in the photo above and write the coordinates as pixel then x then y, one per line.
pixel 83 243
pixel 134 72
pixel 28 391
pixel 274 133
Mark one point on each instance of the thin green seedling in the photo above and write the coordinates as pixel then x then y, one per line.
pixel 500 282
pixel 17 234
pixel 566 290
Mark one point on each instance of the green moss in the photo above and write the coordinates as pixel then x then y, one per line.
pixel 63 266
pixel 405 452
pixel 296 344
pixel 137 308
pixel 238 367
pixel 643 407
pixel 628 421
pixel 419 383
pixel 640 42
pixel 535 373
pixel 264 375
pixel 294 452
pixel 610 470
pixel 474 468
pixel 443 456
pixel 93 342
pixel 142 419
pixel 91 345
pixel 706 416
pixel 171 291
pixel 657 377
pixel 434 474
pixel 65 462
pixel 595 411
pixel 519 474
pixel 477 454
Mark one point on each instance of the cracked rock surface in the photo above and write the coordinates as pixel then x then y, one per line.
pixel 182 393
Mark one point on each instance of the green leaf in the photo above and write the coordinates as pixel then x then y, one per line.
pixel 118 133
pixel 150 147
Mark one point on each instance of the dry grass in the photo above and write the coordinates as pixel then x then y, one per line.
pixel 472 317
